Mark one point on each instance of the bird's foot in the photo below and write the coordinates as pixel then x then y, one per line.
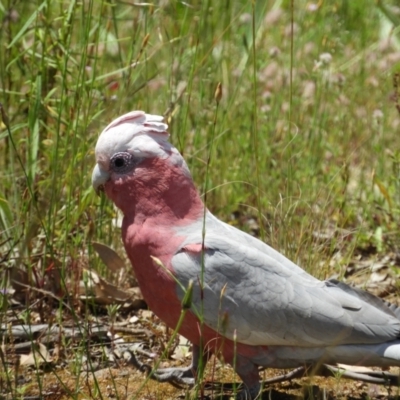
pixel 369 376
pixel 178 377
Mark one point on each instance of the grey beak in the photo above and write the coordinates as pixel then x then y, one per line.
pixel 99 178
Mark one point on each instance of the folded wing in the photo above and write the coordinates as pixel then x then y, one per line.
pixel 267 300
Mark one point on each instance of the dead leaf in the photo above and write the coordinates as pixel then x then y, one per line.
pixel 146 314
pixel 133 319
pixel 182 351
pixel 38 355
pixel 107 293
pixel 376 277
pixel 355 368
pixel 109 257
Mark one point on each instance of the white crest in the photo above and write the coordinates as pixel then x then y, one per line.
pixel 143 135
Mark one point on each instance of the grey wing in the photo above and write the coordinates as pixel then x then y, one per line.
pixel 265 301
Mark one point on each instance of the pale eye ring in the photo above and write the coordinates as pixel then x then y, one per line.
pixel 122 162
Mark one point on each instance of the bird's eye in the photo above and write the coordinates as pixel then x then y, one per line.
pixel 122 162
pixel 119 162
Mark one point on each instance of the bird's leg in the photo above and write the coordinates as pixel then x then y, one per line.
pixel 180 377
pixel 250 376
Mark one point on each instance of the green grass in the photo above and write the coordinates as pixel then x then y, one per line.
pixel 304 144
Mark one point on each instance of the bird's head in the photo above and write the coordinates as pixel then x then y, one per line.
pixel 133 152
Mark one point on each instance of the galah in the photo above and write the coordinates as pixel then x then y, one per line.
pixel 248 304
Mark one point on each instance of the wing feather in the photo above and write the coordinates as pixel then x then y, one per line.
pixel 268 300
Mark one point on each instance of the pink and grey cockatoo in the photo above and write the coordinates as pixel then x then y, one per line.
pixel 249 304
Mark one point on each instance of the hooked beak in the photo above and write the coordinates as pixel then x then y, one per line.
pixel 99 178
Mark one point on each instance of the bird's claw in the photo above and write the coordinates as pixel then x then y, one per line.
pixel 178 377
